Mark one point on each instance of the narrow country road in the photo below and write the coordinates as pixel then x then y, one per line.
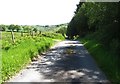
pixel 68 61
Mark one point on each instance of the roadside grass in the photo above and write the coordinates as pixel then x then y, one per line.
pixel 53 35
pixel 16 56
pixel 104 58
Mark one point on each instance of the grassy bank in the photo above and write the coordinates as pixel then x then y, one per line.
pixel 105 59
pixel 16 56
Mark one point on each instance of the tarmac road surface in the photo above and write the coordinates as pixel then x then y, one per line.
pixel 66 62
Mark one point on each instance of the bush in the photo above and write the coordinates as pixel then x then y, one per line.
pixel 115 46
pixel 105 58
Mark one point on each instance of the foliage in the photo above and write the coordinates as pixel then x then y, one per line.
pixel 104 57
pixel 91 17
pixel 99 18
pixel 18 28
pixel 53 35
pixel 100 22
pixel 27 48
pixel 62 30
pixel 35 29
pixel 3 27
pixel 11 27
pixel 30 28
pixel 78 25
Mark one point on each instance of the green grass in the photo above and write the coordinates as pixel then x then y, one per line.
pixel 16 56
pixel 105 59
pixel 53 35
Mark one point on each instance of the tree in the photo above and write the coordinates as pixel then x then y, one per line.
pixel 62 30
pixel 100 19
pixel 78 7
pixel 11 27
pixel 78 24
pixel 35 29
pixel 18 28
pixel 71 29
pixel 3 27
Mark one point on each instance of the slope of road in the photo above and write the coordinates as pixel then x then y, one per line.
pixel 67 61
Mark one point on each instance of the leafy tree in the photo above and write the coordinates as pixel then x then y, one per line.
pixel 35 29
pixel 11 27
pixel 71 30
pixel 18 28
pixel 62 30
pixel 78 7
pixel 3 27
pixel 79 24
pixel 101 19
pixel 28 29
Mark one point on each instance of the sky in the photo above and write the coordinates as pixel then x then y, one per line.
pixel 37 12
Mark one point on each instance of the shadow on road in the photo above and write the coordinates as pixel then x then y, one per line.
pixel 70 63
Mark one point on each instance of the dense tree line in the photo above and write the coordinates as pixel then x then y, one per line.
pixel 101 20
pixel 32 30
pixel 18 28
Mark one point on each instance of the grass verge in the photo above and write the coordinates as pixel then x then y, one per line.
pixel 16 56
pixel 104 58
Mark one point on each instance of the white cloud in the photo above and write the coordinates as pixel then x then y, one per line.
pixel 36 11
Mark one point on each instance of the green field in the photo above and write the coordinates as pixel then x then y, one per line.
pixel 16 55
